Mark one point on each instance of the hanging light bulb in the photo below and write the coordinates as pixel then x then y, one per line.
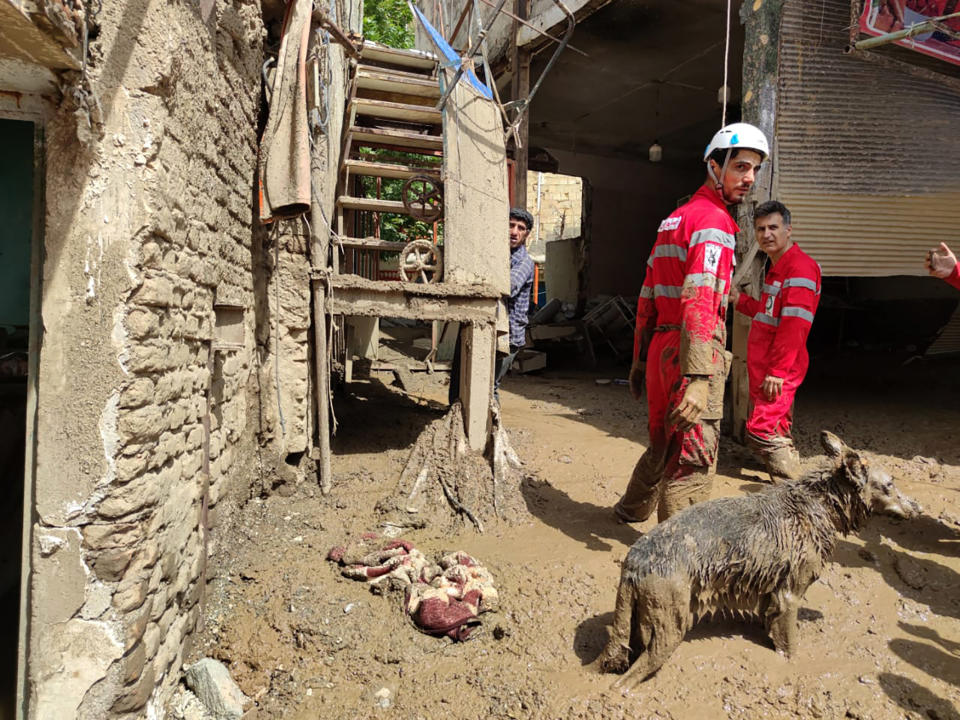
pixel 723 94
pixel 656 152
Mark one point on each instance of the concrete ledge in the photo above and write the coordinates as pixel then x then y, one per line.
pixel 353 295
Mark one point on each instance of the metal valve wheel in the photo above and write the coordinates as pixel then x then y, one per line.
pixel 421 261
pixel 423 198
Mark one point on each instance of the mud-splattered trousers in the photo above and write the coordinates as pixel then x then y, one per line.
pixel 777 346
pixel 681 331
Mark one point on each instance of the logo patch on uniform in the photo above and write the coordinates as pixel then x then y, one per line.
pixel 768 309
pixel 671 223
pixel 711 258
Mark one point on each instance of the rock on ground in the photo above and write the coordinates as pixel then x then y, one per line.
pixel 212 684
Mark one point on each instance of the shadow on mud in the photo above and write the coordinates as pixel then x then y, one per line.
pixel 591 637
pixel 373 417
pixel 931 660
pixel 919 579
pixel 581 521
pixel 915 698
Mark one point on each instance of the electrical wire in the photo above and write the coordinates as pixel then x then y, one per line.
pixel 726 67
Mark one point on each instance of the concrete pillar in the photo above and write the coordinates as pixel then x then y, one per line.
pixel 476 382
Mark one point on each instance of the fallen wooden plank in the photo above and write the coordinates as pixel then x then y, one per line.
pixel 373 244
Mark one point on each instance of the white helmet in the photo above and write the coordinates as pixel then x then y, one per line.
pixel 738 135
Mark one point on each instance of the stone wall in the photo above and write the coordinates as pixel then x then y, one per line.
pixel 145 418
pixel 556 203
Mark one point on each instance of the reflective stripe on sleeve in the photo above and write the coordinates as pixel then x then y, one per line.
pixel 671 291
pixel 772 290
pixel 766 319
pixel 797 312
pixel 676 251
pixel 800 282
pixel 703 280
pixel 713 235
pixel 646 292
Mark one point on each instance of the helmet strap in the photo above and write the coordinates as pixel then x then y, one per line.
pixel 723 170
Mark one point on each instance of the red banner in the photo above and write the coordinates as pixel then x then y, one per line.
pixel 880 17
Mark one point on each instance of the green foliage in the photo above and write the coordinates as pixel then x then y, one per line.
pixel 397 228
pixel 388 22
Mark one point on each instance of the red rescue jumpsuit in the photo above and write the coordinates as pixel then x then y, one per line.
pixel 683 307
pixel 954 277
pixel 777 344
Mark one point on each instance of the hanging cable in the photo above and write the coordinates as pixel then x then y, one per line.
pixel 726 66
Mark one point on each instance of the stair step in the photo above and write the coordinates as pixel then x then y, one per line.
pixel 372 244
pixel 395 138
pixel 396 111
pixel 417 59
pixel 349 202
pixel 397 73
pixel 388 170
pixel 384 81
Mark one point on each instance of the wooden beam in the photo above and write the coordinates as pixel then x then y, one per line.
pixel 389 170
pixel 395 139
pixel 396 111
pixel 520 90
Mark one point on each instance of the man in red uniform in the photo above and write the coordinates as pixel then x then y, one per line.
pixel 681 332
pixel 777 357
pixel 942 263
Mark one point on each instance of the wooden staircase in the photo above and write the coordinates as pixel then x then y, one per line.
pixel 392 131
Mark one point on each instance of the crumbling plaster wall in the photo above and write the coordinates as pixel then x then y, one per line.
pixel 148 226
pixel 283 289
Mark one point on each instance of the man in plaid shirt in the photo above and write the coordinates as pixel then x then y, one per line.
pixel 521 283
pixel 518 304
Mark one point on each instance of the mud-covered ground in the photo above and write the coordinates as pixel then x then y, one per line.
pixel 879 632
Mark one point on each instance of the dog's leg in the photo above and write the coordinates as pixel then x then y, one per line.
pixel 616 655
pixel 781 621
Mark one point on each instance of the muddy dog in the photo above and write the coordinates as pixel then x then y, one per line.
pixel 753 555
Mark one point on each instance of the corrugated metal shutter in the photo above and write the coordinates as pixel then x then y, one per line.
pixel 949 339
pixel 869 157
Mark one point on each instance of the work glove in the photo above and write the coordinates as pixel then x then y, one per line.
pixel 637 378
pixel 772 387
pixel 694 402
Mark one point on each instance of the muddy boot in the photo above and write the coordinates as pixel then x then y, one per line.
pixel 683 492
pixel 784 464
pixel 778 456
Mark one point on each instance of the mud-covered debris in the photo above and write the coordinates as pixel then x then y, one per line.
pixel 911 572
pixel 211 682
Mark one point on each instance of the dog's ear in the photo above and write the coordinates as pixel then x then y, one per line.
pixel 855 467
pixel 832 444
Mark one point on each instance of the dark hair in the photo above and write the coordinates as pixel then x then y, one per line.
pixel 769 208
pixel 522 215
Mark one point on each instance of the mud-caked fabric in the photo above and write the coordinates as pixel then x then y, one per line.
pixel 777 344
pixel 681 332
pixel 778 454
pixel 665 479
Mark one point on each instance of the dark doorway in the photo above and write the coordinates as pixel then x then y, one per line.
pixel 17 208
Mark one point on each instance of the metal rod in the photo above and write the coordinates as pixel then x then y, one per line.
pixel 523 105
pixel 906 33
pixel 463 16
pixel 470 53
pixel 322 19
pixel 535 29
